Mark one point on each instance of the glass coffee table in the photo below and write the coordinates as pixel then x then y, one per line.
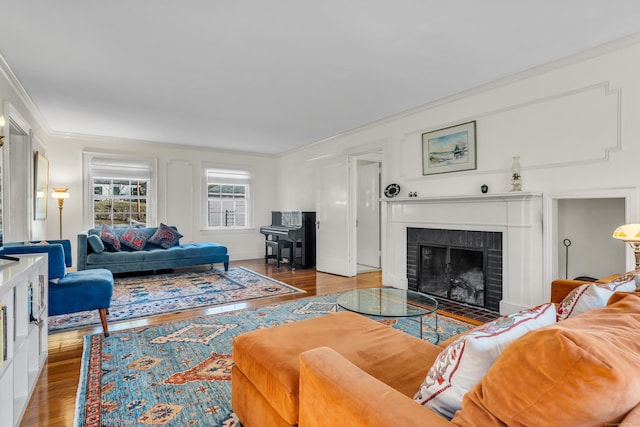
pixel 390 302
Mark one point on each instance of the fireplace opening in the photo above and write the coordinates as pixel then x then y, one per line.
pixel 453 273
pixel 458 265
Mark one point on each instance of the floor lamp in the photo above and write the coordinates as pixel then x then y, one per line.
pixel 630 233
pixel 60 194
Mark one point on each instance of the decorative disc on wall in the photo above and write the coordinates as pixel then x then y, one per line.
pixel 392 190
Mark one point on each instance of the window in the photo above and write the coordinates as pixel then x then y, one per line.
pixel 120 191
pixel 228 196
pixel 120 202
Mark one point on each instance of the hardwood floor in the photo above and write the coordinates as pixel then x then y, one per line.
pixel 53 400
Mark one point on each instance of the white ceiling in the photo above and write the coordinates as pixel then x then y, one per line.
pixel 267 76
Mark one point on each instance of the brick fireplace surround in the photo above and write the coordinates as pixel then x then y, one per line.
pixel 517 215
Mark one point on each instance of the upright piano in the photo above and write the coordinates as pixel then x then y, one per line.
pixel 298 227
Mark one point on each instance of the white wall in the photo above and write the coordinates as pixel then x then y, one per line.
pixel 589 224
pixel 573 124
pixel 66 170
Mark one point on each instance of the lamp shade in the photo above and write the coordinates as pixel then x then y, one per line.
pixel 60 193
pixel 628 233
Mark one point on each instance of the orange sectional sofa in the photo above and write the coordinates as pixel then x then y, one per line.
pixel 583 371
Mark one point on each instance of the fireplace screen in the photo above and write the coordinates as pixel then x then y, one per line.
pixel 460 265
pixel 453 273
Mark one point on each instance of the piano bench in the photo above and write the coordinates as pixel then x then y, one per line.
pixel 270 254
pixel 276 251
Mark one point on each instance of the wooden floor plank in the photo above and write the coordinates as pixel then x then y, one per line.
pixel 53 400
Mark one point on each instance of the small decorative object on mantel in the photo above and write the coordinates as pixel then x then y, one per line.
pixel 516 178
pixel 392 190
pixel 484 188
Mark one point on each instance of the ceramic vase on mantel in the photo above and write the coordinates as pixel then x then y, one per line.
pixel 516 178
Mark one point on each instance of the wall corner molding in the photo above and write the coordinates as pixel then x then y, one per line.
pixel 23 95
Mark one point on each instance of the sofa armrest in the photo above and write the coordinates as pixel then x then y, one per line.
pixel 81 259
pixel 333 391
pixel 560 288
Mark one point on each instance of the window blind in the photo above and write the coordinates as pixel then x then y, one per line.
pixel 104 167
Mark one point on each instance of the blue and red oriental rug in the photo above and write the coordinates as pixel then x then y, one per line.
pixel 179 373
pixel 141 296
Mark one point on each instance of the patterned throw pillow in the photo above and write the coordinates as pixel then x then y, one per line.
pixel 110 239
pixel 134 238
pixel 626 281
pixel 464 362
pixel 594 295
pixel 165 237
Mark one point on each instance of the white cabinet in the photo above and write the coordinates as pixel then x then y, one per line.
pixel 24 296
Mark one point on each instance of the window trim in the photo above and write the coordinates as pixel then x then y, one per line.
pixel 249 182
pixel 87 184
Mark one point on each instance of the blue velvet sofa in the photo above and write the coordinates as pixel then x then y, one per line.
pixel 70 292
pixel 150 258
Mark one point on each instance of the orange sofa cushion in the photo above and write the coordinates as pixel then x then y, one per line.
pixel 581 371
pixel 269 358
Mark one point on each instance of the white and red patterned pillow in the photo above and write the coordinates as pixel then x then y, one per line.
pixel 626 280
pixel 594 295
pixel 464 362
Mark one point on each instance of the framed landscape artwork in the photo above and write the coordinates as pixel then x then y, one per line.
pixel 451 149
pixel 41 186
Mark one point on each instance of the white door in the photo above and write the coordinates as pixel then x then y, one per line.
pixel 333 230
pixel 368 214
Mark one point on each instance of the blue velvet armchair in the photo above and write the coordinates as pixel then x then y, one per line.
pixel 70 292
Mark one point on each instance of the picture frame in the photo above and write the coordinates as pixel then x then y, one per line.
pixel 451 149
pixel 41 186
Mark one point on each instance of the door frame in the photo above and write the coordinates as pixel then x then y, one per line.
pixel 372 153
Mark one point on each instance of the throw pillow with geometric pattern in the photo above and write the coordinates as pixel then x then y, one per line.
pixel 110 239
pixel 134 238
pixel 165 237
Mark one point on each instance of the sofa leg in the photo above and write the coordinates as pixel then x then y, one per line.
pixel 226 266
pixel 103 319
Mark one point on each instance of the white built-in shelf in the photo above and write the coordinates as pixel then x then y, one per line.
pixel 26 340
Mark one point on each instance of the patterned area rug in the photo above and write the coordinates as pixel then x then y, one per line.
pixel 142 296
pixel 179 374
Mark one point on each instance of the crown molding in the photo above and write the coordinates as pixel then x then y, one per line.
pixel 22 94
pixel 88 138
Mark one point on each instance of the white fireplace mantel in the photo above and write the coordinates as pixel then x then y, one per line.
pixel 517 215
pixel 516 195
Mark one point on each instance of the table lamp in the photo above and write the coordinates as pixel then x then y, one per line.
pixel 630 233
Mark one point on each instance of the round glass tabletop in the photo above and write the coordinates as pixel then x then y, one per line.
pixel 387 302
